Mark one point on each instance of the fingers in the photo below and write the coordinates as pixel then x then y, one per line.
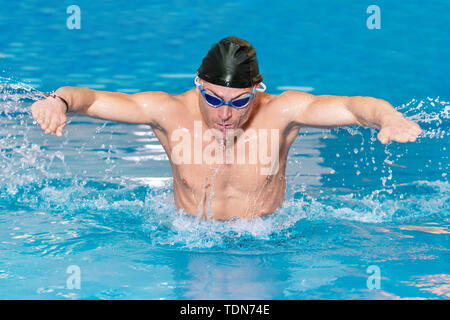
pixel 51 120
pixel 60 129
pixel 46 122
pixel 51 123
pixel 382 137
pixel 412 132
pixel 415 130
pixel 56 125
pixel 399 135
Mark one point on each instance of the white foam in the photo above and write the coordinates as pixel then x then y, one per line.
pixel 156 157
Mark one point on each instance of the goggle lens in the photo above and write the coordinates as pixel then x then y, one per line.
pixel 241 102
pixel 212 100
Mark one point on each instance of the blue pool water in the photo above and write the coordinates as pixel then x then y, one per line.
pixel 100 197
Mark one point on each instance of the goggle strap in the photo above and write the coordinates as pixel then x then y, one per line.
pixel 264 87
pixel 197 81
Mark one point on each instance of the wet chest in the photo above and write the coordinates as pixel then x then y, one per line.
pixel 229 179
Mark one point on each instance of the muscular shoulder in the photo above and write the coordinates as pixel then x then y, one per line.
pixel 188 99
pixel 294 99
pixel 152 99
pixel 159 107
pixel 287 104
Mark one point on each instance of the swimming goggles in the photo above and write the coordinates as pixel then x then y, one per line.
pixel 240 102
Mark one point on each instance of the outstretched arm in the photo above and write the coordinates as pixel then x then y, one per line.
pixel 145 107
pixel 333 111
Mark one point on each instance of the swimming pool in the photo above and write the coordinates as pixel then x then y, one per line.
pixel 100 198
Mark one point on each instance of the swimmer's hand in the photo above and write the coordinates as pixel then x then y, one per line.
pixel 50 113
pixel 395 127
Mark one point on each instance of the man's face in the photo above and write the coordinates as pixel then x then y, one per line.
pixel 224 117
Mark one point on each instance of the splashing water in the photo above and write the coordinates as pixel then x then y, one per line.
pixel 359 180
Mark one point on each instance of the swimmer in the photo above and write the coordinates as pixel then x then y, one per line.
pixel 228 103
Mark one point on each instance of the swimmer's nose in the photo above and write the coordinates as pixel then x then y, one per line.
pixel 225 113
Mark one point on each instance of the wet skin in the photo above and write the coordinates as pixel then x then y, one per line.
pixel 225 190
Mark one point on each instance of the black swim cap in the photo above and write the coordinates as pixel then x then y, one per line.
pixel 231 62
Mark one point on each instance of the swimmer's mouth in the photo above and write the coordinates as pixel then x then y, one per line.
pixel 224 126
